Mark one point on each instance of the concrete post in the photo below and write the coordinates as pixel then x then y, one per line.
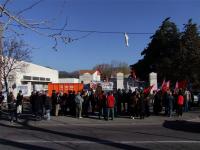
pixel 120 80
pixel 153 81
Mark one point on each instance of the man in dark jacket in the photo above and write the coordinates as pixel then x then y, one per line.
pixel 38 105
pixel 171 102
pixel 19 103
pixel 32 101
pixel 101 104
pixel 54 102
pixel 12 107
pixel 141 105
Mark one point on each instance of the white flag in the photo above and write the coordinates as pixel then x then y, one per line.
pixel 126 39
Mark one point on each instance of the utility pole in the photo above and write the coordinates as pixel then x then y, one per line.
pixel 1 51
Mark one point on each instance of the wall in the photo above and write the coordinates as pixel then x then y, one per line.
pixel 96 76
pixel 69 80
pixel 86 78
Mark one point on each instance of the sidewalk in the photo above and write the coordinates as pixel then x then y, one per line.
pixel 124 120
pixel 192 116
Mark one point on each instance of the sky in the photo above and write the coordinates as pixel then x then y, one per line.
pixel 131 16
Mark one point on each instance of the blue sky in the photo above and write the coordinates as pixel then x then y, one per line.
pixel 101 15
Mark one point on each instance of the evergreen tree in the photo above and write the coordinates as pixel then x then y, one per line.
pixel 189 59
pixel 173 55
pixel 159 55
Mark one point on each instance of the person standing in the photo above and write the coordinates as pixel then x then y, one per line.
pixel 141 105
pixel 101 104
pixel 62 103
pixel 187 98
pixel 66 103
pixel 118 102
pixel 110 105
pixel 47 106
pixel 180 103
pixel 73 103
pixel 123 101
pixel 171 102
pixel 86 103
pixel 93 101
pixel 133 104
pixel 38 106
pixel 56 102
pixel 79 102
pixel 165 99
pixel 32 101
pixel 19 102
pixel 12 106
pixel 157 104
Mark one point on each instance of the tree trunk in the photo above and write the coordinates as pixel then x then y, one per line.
pixel 6 85
pixel 1 49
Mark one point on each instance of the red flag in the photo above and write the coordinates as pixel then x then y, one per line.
pixel 148 89
pixel 163 84
pixel 176 86
pixel 168 84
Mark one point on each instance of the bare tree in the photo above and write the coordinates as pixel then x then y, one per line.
pixel 13 56
pixel 13 22
pixel 16 19
pixel 107 70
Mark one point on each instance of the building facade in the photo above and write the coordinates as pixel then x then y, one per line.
pixel 32 77
pixel 87 76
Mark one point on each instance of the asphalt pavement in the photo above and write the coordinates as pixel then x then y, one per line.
pixel 154 132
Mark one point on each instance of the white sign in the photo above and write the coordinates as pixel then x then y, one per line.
pixel 107 86
pixel 23 88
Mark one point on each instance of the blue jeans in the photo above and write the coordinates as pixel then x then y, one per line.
pixel 110 111
pixel 186 107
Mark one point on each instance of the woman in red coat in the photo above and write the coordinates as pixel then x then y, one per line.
pixel 110 105
pixel 180 103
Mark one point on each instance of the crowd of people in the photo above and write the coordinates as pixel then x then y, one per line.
pixel 105 105
pixel 14 105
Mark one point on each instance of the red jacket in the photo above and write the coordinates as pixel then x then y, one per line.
pixel 180 100
pixel 110 101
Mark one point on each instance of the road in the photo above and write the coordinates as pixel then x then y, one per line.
pixel 171 134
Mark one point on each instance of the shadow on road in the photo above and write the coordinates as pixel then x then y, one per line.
pixel 182 125
pixel 22 145
pixel 24 125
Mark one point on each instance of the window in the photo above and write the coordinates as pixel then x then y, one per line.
pixel 27 77
pixel 47 79
pixel 35 78
pixel 42 79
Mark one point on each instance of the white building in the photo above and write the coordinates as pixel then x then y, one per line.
pixel 87 76
pixel 69 80
pixel 32 77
